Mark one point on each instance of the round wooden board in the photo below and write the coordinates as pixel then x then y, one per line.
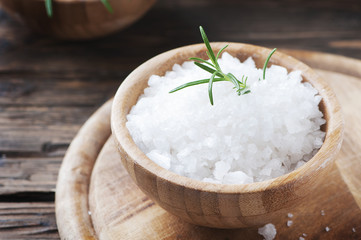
pixel 96 199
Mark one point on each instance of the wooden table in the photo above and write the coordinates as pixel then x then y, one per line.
pixel 49 88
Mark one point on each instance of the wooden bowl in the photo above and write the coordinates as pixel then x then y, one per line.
pixel 221 205
pixel 77 19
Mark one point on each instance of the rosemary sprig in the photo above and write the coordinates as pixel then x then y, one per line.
pixel 49 6
pixel 266 62
pixel 217 74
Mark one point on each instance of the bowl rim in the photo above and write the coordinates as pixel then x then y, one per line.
pixel 323 158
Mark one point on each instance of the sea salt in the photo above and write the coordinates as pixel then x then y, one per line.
pixel 301 238
pixel 289 223
pixel 268 231
pixel 241 139
pixel 290 215
pixel 327 229
pixel 322 213
pixel 353 230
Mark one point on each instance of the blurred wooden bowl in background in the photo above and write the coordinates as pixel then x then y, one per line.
pixel 77 19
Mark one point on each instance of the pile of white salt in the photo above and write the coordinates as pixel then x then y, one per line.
pixel 241 139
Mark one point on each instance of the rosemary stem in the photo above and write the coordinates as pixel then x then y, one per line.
pixel 266 62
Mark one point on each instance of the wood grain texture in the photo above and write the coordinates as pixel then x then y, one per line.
pixel 215 205
pixel 42 73
pixel 329 62
pixel 42 115
pixel 34 220
pixel 74 175
pixel 28 175
pixel 118 208
pixel 75 19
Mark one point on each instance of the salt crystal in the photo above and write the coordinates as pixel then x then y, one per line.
pixel 301 238
pixel 221 168
pixel 89 213
pixel 300 163
pixel 237 177
pixel 289 223
pixel 353 230
pixel 304 234
pixel 160 159
pixel 327 229
pixel 264 134
pixel 290 215
pixel 268 231
pixel 322 213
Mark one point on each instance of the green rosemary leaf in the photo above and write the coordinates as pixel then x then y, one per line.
pixel 245 80
pixel 220 51
pixel 107 5
pixel 208 69
pixel 201 60
pixel 210 86
pixel 234 80
pixel 49 7
pixel 189 84
pixel 210 52
pixel 266 62
pixel 210 57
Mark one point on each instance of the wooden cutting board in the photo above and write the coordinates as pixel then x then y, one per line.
pixel 96 199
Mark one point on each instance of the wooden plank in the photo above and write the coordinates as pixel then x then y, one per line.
pixel 28 221
pixel 51 90
pixel 36 112
pixel 28 174
pixel 32 129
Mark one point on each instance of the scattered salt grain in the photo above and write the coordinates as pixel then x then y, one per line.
pixel 89 213
pixel 322 213
pixel 289 223
pixel 290 215
pixel 301 238
pixel 327 229
pixel 241 139
pixel 304 234
pixel 353 230
pixel 268 231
